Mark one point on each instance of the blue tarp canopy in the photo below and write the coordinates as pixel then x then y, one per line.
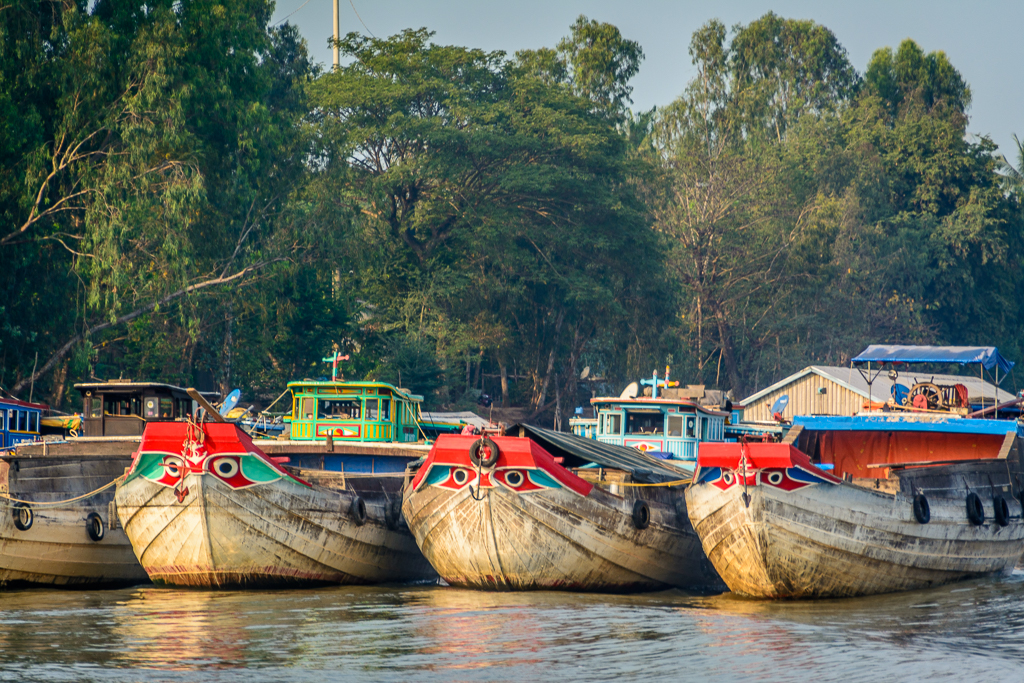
pixel 988 356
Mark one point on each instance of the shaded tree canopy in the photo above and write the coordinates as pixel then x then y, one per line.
pixel 185 197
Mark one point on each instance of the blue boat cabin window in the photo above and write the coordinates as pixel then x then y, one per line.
pixel 675 425
pixel 339 410
pixel 18 420
pixel 614 423
pixel 645 423
pixel 3 420
pixel 691 426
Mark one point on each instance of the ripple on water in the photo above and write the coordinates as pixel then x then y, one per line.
pixel 433 633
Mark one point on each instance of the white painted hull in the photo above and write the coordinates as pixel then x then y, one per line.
pixel 554 539
pixel 57 551
pixel 270 534
pixel 839 540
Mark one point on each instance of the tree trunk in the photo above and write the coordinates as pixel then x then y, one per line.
pixel 727 355
pixel 551 361
pixel 504 384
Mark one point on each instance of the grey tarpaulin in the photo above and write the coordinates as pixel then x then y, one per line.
pixel 578 451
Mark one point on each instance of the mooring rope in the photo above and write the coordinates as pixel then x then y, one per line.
pixel 6 500
pixel 677 482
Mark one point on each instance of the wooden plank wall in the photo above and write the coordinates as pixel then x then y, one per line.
pixel 804 399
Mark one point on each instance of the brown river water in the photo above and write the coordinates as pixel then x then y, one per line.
pixel 971 631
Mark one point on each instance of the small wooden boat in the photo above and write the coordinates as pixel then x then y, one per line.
pixel 548 510
pixel 861 505
pixel 203 506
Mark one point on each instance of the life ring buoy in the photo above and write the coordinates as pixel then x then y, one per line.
pixel 358 510
pixel 922 511
pixel 975 510
pixel 23 516
pixel 490 449
pixel 94 527
pixel 1001 511
pixel 641 514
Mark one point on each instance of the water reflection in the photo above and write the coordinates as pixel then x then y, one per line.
pixel 433 633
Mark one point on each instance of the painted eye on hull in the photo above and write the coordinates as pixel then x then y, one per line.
pixel 775 478
pixel 224 467
pixel 514 478
pixel 460 476
pixel 728 478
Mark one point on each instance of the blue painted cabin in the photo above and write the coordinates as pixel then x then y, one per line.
pixel 670 427
pixel 19 421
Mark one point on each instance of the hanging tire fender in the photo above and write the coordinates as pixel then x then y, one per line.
pixel 358 511
pixel 491 452
pixel 975 510
pixel 94 527
pixel 641 514
pixel 393 514
pixel 922 511
pixel 23 516
pixel 1000 511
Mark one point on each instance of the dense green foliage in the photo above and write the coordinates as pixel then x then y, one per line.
pixel 186 198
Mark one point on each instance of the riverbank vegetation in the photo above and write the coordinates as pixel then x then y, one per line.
pixel 186 197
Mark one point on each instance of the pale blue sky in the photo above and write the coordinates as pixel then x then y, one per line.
pixel 981 38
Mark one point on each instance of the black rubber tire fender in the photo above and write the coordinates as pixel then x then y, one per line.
pixel 922 511
pixel 94 526
pixel 492 450
pixel 358 510
pixel 1000 511
pixel 393 514
pixel 641 514
pixel 23 516
pixel 975 510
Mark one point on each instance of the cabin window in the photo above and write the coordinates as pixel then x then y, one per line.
pixel 308 408
pixel 691 426
pixel 95 407
pixel 183 407
pixel 675 425
pixel 338 410
pixel 33 421
pixel 166 408
pixel 600 423
pixel 372 410
pixel 3 420
pixel 385 409
pixel 703 429
pixel 151 411
pixel 614 423
pixel 645 423
pixel 19 421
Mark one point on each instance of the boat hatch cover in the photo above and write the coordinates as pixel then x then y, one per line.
pixel 578 451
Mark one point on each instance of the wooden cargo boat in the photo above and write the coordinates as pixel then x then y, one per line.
pixel 59 526
pixel 861 505
pixel 203 506
pixel 52 532
pixel 548 510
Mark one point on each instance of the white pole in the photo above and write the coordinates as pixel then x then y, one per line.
pixel 337 26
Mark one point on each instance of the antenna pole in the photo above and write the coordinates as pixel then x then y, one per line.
pixel 337 27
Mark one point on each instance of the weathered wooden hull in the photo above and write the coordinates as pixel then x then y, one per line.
pixel 555 540
pixel 829 540
pixel 56 550
pixel 282 533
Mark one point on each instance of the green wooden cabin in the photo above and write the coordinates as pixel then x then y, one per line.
pixel 353 411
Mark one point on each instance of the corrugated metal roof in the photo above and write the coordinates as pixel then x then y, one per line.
pixel 881 386
pixel 643 467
